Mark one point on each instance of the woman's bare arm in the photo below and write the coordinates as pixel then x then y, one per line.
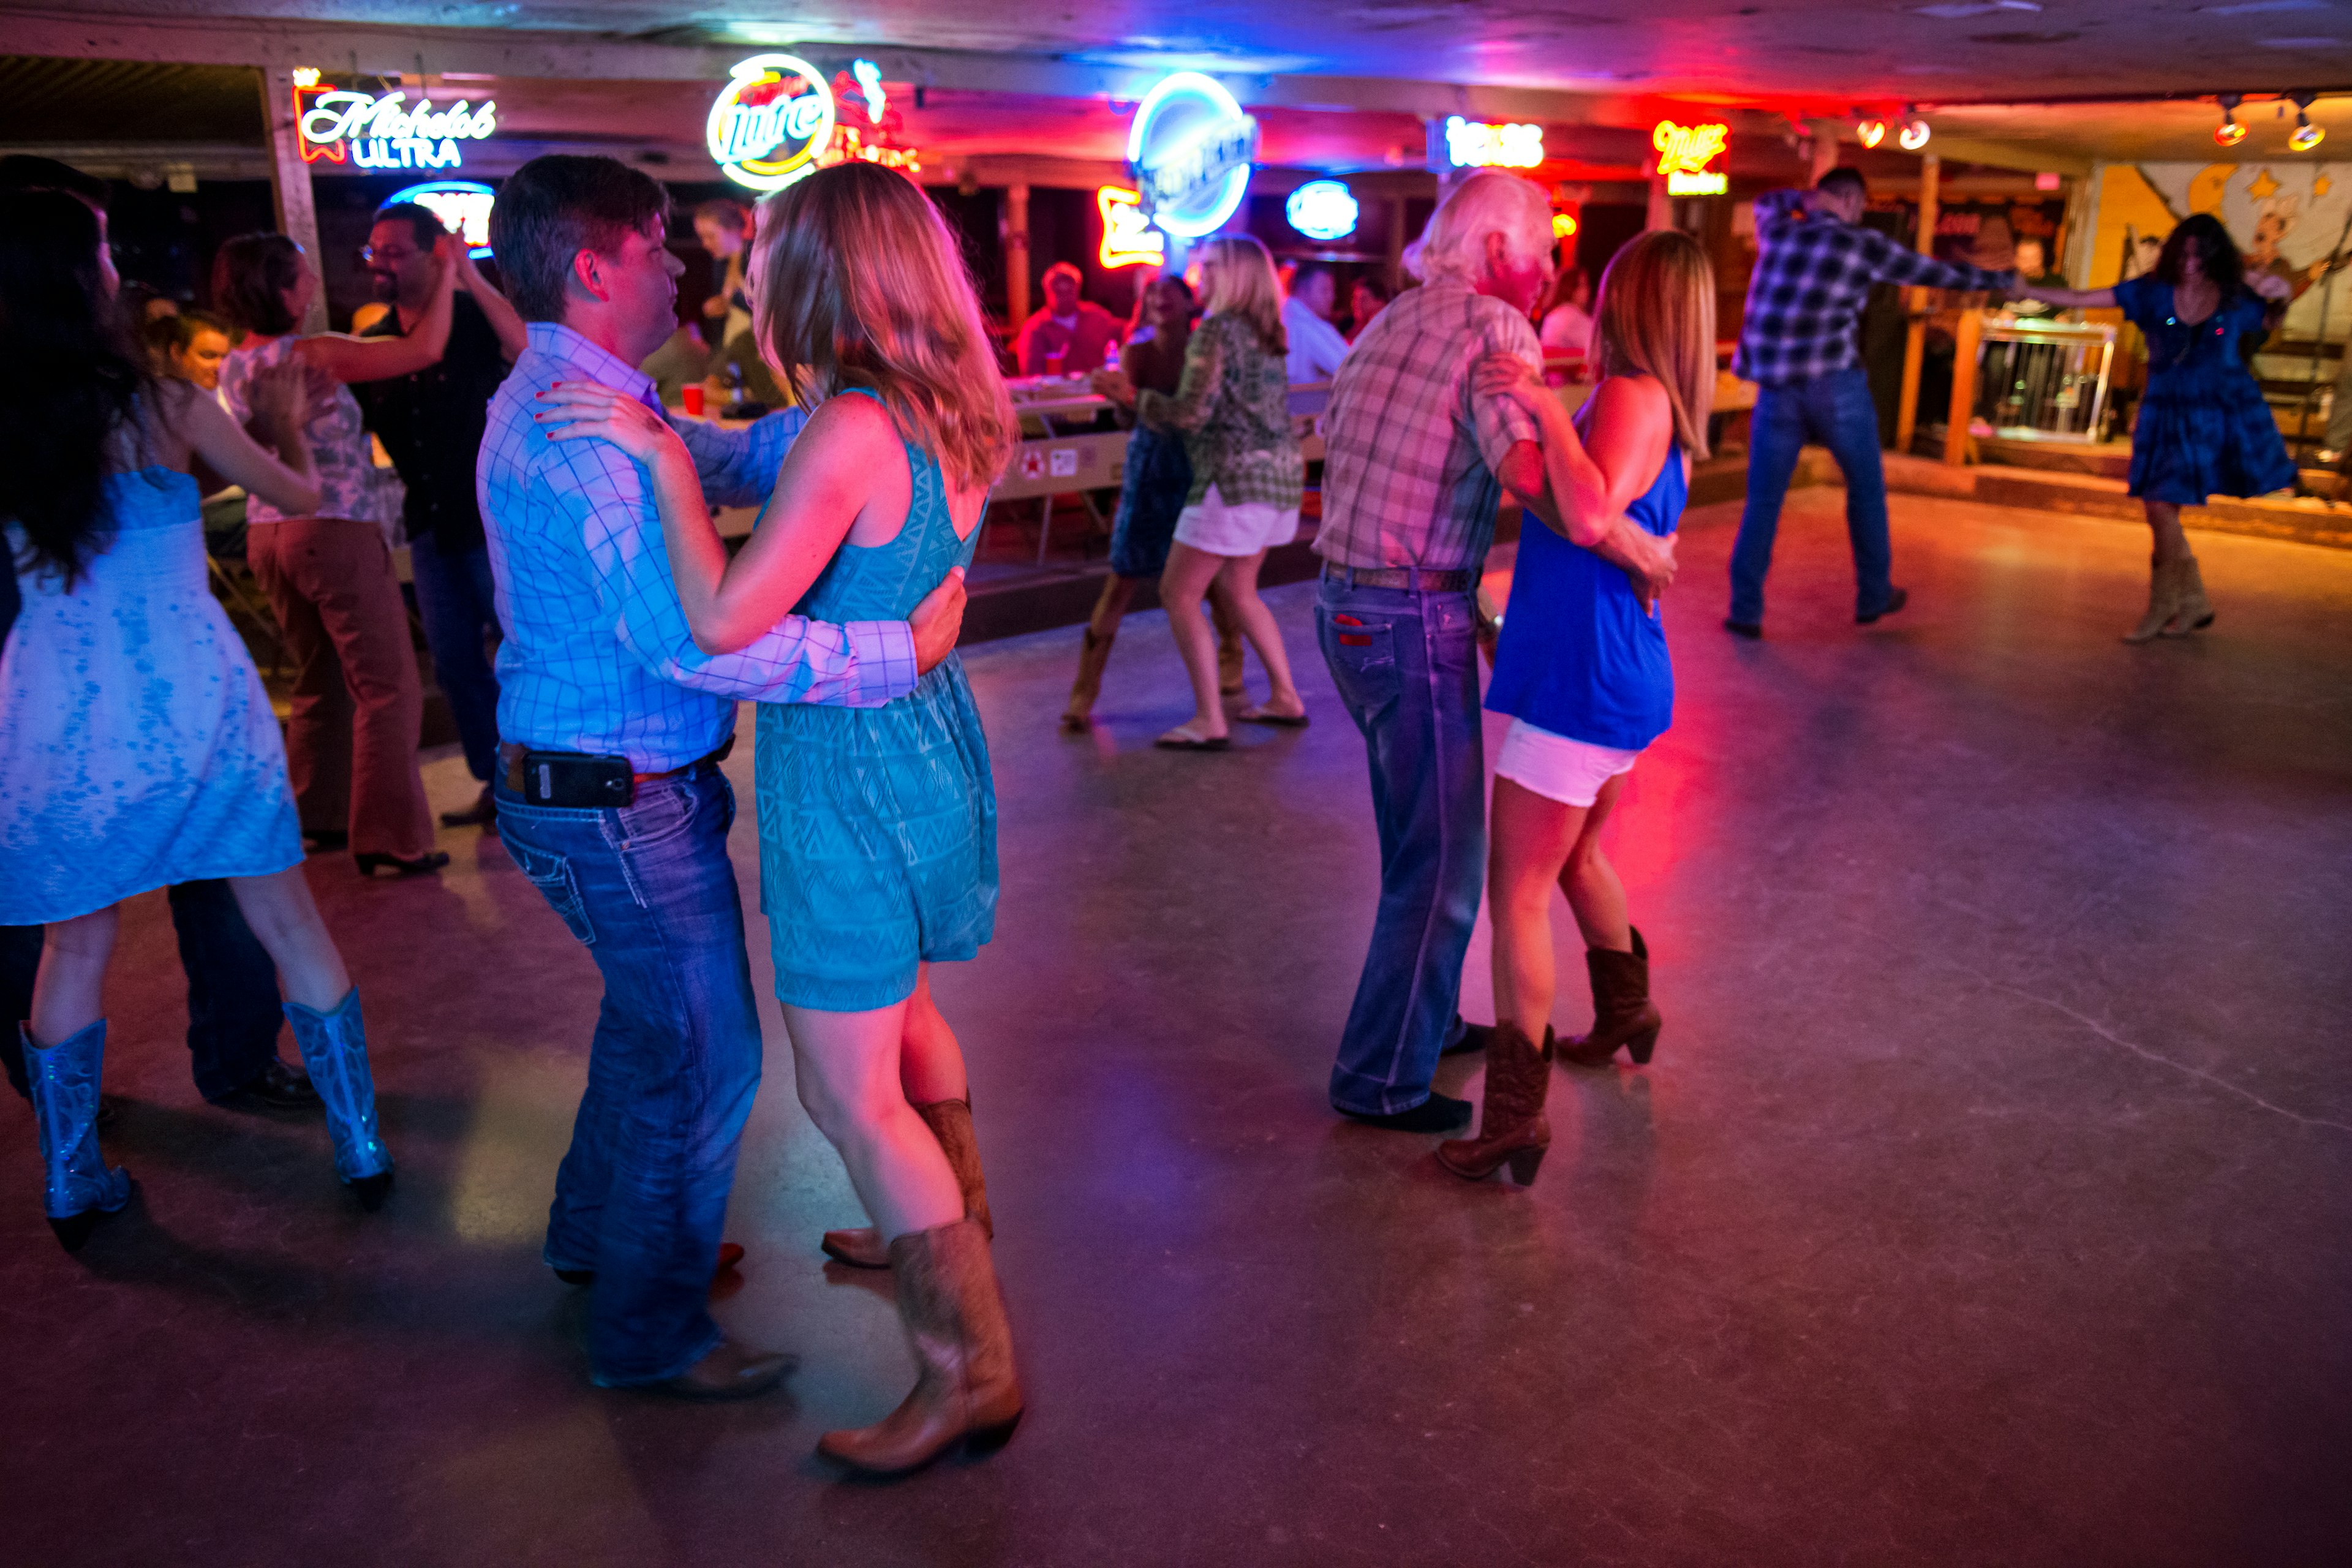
pixel 1592 482
pixel 2071 299
pixel 826 480
pixel 287 480
pixel 348 359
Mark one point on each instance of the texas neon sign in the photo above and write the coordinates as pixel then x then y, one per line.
pixel 1475 144
pixel 1128 239
pixel 381 132
pixel 770 123
pixel 1684 154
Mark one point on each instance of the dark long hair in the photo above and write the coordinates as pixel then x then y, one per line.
pixel 250 277
pixel 75 373
pixel 2217 253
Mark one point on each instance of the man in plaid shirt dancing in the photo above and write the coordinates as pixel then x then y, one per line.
pixel 1813 278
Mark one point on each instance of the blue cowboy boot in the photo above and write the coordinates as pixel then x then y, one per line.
pixel 63 1079
pixel 334 1048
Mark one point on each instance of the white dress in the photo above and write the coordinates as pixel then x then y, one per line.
pixel 137 746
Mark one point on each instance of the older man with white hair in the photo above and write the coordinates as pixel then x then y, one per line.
pixel 1416 466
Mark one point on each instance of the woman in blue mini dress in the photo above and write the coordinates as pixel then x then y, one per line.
pixel 2204 429
pixel 137 746
pixel 877 826
pixel 1582 668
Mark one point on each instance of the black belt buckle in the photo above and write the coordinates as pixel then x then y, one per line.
pixel 576 780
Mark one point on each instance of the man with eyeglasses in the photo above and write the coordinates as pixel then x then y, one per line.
pixel 432 423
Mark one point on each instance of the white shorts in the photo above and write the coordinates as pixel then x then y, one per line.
pixel 1557 768
pixel 1218 529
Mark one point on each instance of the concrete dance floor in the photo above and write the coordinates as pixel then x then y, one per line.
pixel 1988 1200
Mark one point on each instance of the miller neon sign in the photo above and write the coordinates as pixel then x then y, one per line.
pixel 1684 154
pixel 379 131
pixel 771 122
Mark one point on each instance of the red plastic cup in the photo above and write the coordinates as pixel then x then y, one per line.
pixel 692 392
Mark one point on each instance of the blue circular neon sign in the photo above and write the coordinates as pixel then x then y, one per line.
pixel 1322 209
pixel 1190 151
pixel 462 205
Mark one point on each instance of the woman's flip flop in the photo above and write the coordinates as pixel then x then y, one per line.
pixel 1181 740
pixel 1259 715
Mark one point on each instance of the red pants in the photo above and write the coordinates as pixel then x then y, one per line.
pixel 358 706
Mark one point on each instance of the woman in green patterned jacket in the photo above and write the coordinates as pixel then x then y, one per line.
pixel 1233 407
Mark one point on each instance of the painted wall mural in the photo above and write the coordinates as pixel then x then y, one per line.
pixel 2288 217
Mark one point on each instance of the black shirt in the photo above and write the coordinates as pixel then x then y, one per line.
pixel 432 423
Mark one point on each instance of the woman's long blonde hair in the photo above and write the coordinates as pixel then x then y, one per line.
pixel 1248 287
pixel 860 284
pixel 1656 316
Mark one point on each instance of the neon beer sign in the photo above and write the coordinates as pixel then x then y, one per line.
pixel 1323 209
pixel 1128 239
pixel 1190 151
pixel 381 130
pixel 770 123
pixel 1684 154
pixel 462 208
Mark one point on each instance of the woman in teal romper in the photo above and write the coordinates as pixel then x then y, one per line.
pixel 877 826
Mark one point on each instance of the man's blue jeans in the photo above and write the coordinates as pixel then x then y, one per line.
pixel 642 1192
pixel 457 601
pixel 1835 411
pixel 1406 665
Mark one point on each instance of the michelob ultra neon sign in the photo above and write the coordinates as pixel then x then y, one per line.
pixel 770 123
pixel 381 130
pixel 1684 154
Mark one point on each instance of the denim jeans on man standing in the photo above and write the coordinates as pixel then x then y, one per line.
pixel 1406 665
pixel 642 1194
pixel 456 599
pixel 233 1012
pixel 1837 412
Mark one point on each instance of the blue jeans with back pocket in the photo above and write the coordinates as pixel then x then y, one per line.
pixel 642 1192
pixel 1835 410
pixel 1406 665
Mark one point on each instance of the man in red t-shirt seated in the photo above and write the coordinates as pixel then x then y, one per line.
pixel 1070 336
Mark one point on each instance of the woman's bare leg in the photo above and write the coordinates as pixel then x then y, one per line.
pixel 1239 579
pixel 1595 895
pixel 930 1062
pixel 848 1067
pixel 1532 840
pixel 283 915
pixel 69 988
pixel 1181 585
pixel 2164 527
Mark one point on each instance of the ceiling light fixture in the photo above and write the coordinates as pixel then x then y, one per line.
pixel 2305 135
pixel 1914 136
pixel 1870 133
pixel 2229 134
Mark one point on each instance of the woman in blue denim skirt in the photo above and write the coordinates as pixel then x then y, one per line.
pixel 877 826
pixel 1582 668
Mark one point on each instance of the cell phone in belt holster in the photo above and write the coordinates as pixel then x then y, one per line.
pixel 577 781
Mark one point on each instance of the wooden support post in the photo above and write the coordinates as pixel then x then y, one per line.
pixel 1825 149
pixel 1914 305
pixel 1964 387
pixel 289 178
pixel 1016 254
pixel 1662 207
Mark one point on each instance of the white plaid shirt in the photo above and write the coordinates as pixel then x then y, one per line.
pixel 1812 279
pixel 598 657
pixel 1408 451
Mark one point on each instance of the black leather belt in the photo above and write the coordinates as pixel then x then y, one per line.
pixel 1412 579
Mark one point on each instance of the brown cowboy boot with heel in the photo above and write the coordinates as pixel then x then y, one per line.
pixel 951 1122
pixel 1623 1013
pixel 1513 1128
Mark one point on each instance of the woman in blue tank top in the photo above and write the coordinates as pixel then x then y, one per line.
pixel 877 826
pixel 1582 668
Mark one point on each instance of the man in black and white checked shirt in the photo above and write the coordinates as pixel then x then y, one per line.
pixel 1813 276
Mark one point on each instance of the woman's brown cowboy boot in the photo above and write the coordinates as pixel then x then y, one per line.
pixel 1513 1130
pixel 965 1387
pixel 1093 657
pixel 951 1122
pixel 1623 1013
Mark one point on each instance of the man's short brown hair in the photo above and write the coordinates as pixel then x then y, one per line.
pixel 555 208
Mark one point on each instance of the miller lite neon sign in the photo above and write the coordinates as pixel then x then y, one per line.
pixel 771 122
pixel 1684 154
